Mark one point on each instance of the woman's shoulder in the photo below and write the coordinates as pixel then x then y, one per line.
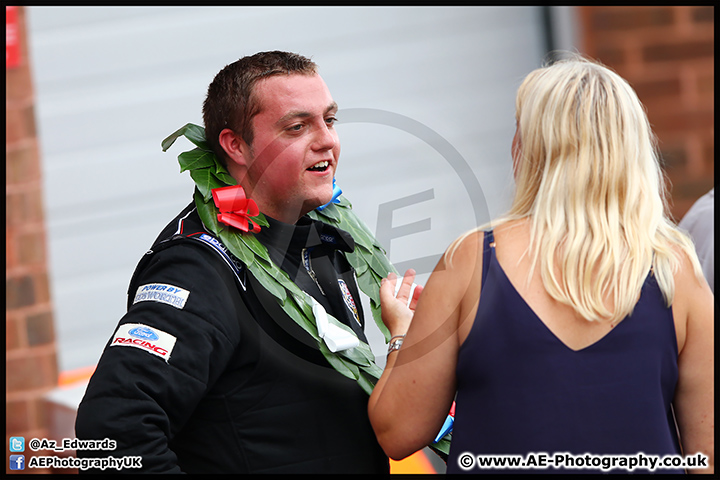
pixel 462 248
pixel 693 300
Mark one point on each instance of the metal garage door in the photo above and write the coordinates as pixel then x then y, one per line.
pixel 426 120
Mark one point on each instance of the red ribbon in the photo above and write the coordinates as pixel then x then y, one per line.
pixel 235 208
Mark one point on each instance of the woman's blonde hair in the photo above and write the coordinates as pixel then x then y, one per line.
pixel 589 181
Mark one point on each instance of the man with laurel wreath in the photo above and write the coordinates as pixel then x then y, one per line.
pixel 243 348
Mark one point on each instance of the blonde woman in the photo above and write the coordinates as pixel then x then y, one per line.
pixel 580 328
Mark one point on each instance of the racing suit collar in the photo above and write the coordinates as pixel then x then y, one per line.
pixel 287 239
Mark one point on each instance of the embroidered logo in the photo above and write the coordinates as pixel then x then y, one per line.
pixel 327 238
pixel 224 253
pixel 214 242
pixel 163 293
pixel 349 301
pixel 146 338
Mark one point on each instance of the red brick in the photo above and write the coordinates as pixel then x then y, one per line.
pixel 24 205
pixel 706 86
pixel 680 208
pixel 22 164
pixel 31 248
pixel 20 122
pixel 28 116
pixel 683 121
pixel 673 156
pixel 612 56
pixel 13 325
pixel 19 292
pixel 40 413
pixel 17 417
pixel 660 107
pixel 606 19
pixel 654 88
pixel 708 156
pixel 13 209
pixel 693 189
pixel 679 50
pixel 42 287
pixel 40 330
pixel 10 252
pixel 703 14
pixel 18 85
pixel 14 126
pixel 36 371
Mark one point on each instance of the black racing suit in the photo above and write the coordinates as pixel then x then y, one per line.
pixel 242 388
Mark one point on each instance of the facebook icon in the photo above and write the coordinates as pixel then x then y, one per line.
pixel 17 462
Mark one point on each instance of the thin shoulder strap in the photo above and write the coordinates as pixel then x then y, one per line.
pixel 488 244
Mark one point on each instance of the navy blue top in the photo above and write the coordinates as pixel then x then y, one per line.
pixel 522 390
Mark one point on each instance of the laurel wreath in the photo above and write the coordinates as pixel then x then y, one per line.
pixel 368 259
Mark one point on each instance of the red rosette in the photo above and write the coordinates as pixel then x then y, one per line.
pixel 235 208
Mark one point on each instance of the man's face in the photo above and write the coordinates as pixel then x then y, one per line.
pixel 292 160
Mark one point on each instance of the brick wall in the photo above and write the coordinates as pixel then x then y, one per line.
pixel 667 55
pixel 31 363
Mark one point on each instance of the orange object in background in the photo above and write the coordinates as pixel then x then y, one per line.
pixel 69 378
pixel 415 463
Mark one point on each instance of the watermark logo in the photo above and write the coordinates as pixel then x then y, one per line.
pixel 452 161
pixel 393 195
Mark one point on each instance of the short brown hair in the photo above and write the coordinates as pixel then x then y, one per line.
pixel 230 102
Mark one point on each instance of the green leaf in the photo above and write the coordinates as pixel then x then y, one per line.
pixel 361 238
pixel 260 220
pixel 356 261
pixel 330 213
pixel 192 132
pixel 443 445
pixel 362 354
pixel 223 176
pixel 258 248
pixel 207 212
pixel 196 159
pixel 369 283
pixel 233 240
pixel 343 367
pixel 376 313
pixel 280 277
pixel 205 182
pixel 268 282
pixel 344 202
pixel 366 382
pixel 295 312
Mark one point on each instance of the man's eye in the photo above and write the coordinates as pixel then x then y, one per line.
pixel 331 120
pixel 296 128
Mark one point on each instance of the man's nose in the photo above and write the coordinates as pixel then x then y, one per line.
pixel 326 138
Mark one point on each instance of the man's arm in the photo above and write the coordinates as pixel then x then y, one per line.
pixel 173 343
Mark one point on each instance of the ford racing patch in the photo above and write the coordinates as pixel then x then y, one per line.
pixel 145 338
pixel 163 293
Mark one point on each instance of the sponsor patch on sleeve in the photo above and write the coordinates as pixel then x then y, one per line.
pixel 163 293
pixel 145 338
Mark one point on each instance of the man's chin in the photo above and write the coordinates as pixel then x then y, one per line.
pixel 309 206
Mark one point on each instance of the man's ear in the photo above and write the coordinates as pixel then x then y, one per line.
pixel 234 146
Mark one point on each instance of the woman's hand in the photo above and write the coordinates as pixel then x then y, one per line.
pixel 397 310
